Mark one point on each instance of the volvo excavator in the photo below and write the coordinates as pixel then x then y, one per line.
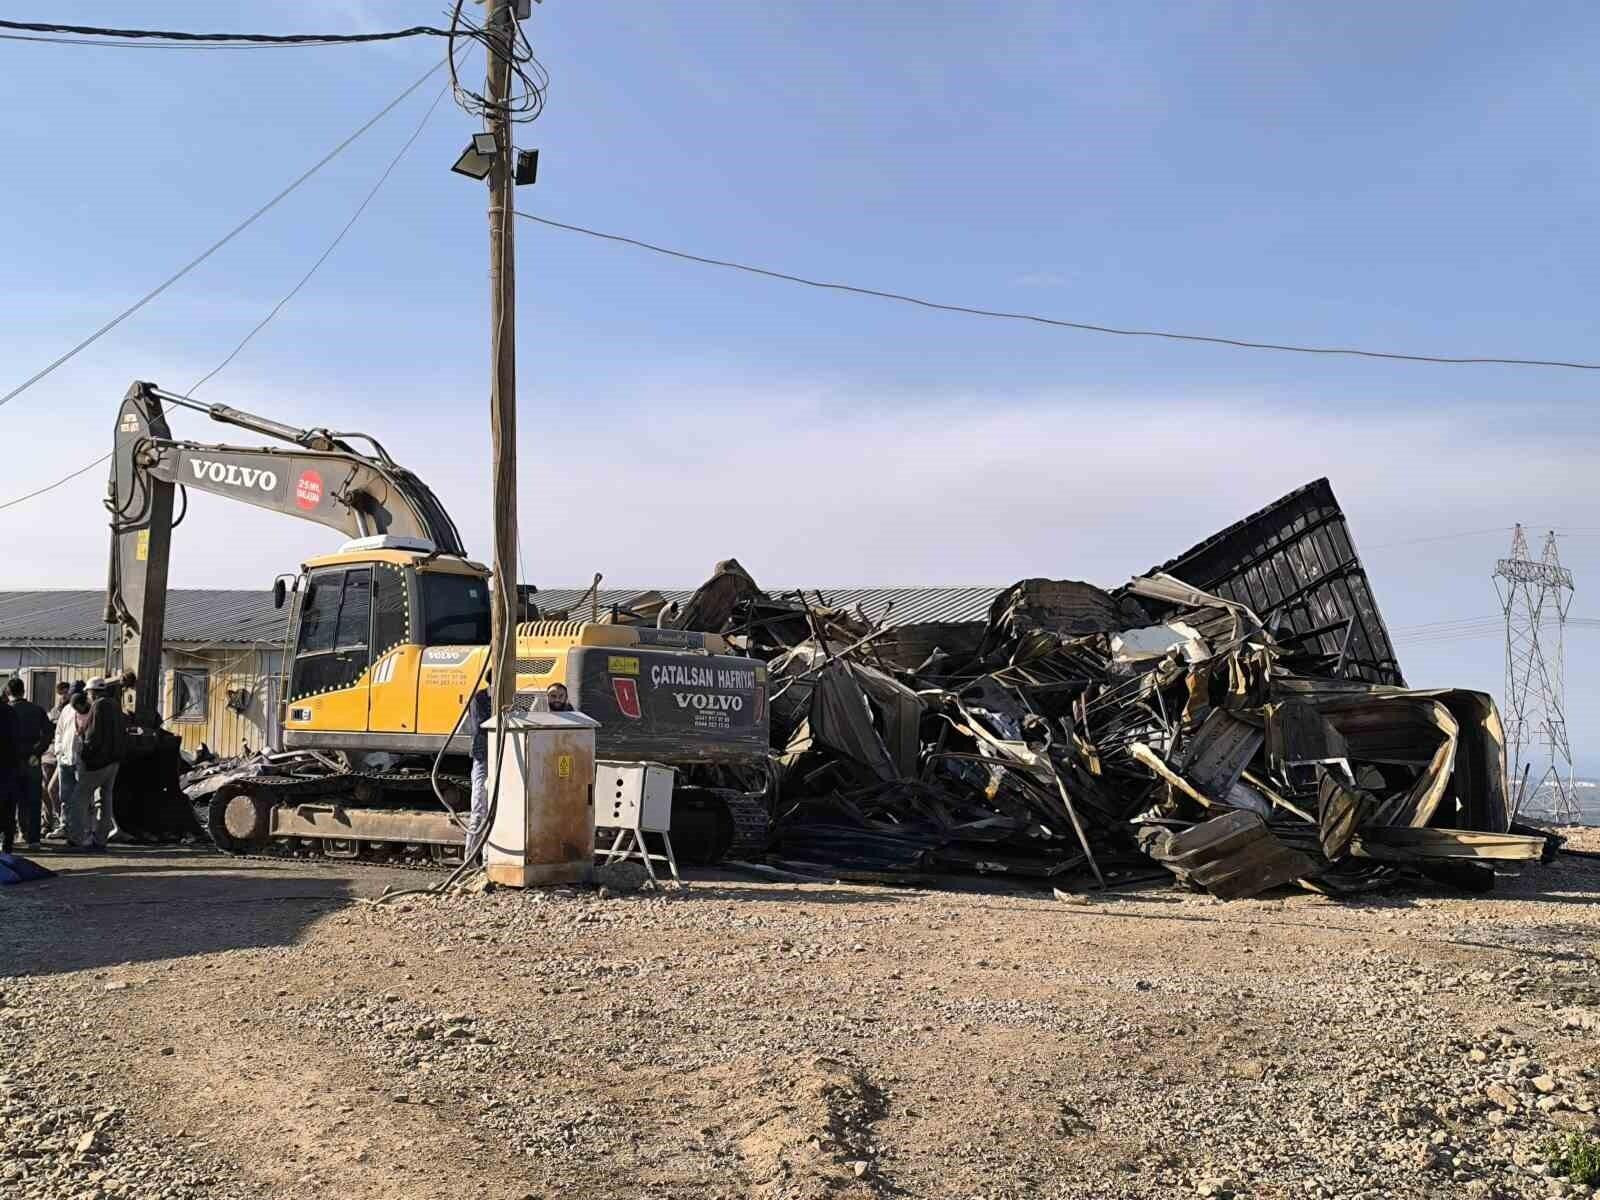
pixel 385 639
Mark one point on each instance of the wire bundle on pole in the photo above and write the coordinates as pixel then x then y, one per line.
pixel 529 80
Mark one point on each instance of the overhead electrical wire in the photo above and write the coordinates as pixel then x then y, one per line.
pixel 276 308
pixel 1441 537
pixel 1547 619
pixel 1441 626
pixel 527 100
pixel 1484 628
pixel 50 487
pixel 152 37
pixel 331 247
pixel 1034 318
pixel 219 243
pixel 77 41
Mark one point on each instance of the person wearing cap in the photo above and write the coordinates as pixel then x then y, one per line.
pixel 89 819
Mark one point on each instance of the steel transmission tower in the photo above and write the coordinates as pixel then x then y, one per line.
pixel 1535 595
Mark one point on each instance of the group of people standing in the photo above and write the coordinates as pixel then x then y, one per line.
pixel 58 768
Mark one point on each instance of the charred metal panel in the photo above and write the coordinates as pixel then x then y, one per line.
pixel 1232 856
pixel 1295 565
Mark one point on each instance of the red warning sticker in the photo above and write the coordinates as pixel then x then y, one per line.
pixel 627 694
pixel 308 490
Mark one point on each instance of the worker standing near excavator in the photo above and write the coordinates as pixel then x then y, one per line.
pixel 71 725
pixel 10 778
pixel 90 820
pixel 33 739
pixel 479 714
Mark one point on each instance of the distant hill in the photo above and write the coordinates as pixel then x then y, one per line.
pixel 1537 806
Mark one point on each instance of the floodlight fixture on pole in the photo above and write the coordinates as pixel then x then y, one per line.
pixel 527 167
pixel 478 159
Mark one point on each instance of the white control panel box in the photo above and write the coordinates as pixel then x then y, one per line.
pixel 633 796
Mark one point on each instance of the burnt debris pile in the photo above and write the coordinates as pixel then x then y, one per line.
pixel 1235 717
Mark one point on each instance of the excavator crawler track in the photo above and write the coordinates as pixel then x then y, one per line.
pixel 239 816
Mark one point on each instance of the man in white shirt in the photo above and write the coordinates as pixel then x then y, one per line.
pixel 68 746
pixel 54 817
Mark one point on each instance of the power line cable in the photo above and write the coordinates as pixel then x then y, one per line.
pixel 276 308
pixel 1490 628
pixel 331 247
pixel 1441 537
pixel 1440 626
pixel 220 243
pixel 130 45
pixel 1036 319
pixel 155 36
pixel 50 487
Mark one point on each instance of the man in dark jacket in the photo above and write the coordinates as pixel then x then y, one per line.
pixel 10 784
pixel 89 822
pixel 34 732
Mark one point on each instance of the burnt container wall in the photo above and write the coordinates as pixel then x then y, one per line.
pixel 1295 564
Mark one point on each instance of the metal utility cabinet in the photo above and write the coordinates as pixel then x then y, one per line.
pixel 634 799
pixel 543 829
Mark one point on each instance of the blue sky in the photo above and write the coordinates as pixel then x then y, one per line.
pixel 1415 177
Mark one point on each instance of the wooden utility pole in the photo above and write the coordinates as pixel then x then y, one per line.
pixel 503 350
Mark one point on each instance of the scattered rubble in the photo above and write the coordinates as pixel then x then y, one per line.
pixel 1237 717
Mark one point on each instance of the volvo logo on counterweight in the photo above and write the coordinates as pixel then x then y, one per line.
pixel 231 473
pixel 709 703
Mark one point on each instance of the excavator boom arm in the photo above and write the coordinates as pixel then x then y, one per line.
pixel 331 488
pixel 322 479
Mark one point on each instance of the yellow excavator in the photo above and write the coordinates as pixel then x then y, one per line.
pixel 385 639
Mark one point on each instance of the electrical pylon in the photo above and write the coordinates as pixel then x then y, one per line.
pixel 1535 596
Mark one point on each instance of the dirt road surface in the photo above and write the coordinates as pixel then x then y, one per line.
pixel 187 1025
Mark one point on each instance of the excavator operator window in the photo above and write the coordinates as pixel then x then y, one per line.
pixel 389 609
pixel 355 612
pixel 335 622
pixel 319 612
pixel 455 609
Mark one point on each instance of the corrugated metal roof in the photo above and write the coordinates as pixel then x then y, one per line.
pixel 216 617
pixel 899 606
pixel 199 616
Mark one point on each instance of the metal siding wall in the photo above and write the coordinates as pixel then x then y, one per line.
pixel 226 732
pixel 68 662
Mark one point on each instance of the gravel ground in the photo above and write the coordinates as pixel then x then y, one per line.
pixel 183 1025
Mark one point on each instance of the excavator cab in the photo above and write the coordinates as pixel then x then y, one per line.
pixel 386 640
